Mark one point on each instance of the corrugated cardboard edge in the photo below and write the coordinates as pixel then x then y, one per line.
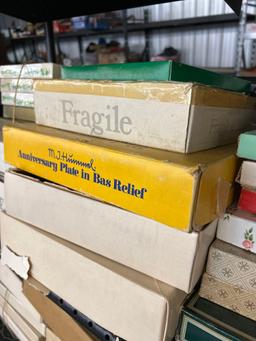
pixel 37 295
pixel 206 237
pixel 7 311
pixel 20 309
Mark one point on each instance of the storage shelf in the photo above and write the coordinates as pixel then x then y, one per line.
pixel 200 22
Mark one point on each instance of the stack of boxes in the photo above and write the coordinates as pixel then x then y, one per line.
pixel 17 87
pixel 230 277
pixel 104 213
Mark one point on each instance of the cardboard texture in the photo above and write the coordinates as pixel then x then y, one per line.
pixel 2 201
pixel 154 71
pixel 64 326
pixel 176 190
pixel 40 70
pixel 248 174
pixel 14 285
pixel 16 85
pixel 246 145
pixel 232 265
pixel 19 308
pixel 100 284
pixel 21 113
pixel 204 320
pixel 110 231
pixel 232 297
pixel 247 200
pixel 181 117
pixel 21 100
pixel 15 321
pixel 238 228
pixel 50 336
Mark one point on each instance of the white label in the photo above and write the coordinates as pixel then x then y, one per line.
pixel 145 122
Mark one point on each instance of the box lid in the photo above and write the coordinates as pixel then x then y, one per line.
pixel 246 145
pixel 155 71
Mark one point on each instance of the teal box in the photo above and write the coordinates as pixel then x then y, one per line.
pixel 247 145
pixel 202 320
pixel 155 71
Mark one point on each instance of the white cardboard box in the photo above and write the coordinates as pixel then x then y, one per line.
pixel 20 100
pixel 170 255
pixel 182 117
pixel 248 174
pixel 19 308
pixel 36 70
pixel 238 228
pixel 17 324
pixel 14 284
pixel 134 306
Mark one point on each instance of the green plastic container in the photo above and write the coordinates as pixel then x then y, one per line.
pixel 155 71
pixel 247 145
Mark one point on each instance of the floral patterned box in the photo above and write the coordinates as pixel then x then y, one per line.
pixel 232 297
pixel 231 278
pixel 238 228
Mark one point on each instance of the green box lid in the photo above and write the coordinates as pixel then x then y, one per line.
pixel 205 320
pixel 247 145
pixel 155 71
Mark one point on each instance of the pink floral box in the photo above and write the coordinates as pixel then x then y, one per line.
pixel 238 228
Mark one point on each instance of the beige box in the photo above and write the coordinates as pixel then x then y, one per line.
pixel 60 322
pixel 128 303
pixel 232 265
pixel 248 174
pixel 232 297
pixel 19 308
pixel 20 113
pixel 181 117
pixel 14 285
pixel 140 243
pixel 23 330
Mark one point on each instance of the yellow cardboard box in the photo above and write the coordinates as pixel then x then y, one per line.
pixel 182 191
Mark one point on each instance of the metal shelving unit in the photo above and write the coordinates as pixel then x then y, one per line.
pixel 147 27
pixel 48 10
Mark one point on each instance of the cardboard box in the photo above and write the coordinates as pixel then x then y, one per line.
pixel 248 174
pixel 95 285
pixel 50 336
pixel 176 190
pixel 64 326
pixel 2 201
pixel 14 285
pixel 233 266
pixel 21 100
pixel 140 243
pixel 16 85
pixel 204 320
pixel 246 145
pixel 21 113
pixel 181 117
pixel 155 71
pixel 232 297
pixel 40 70
pixel 247 200
pixel 238 228
pixel 23 330
pixel 19 308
